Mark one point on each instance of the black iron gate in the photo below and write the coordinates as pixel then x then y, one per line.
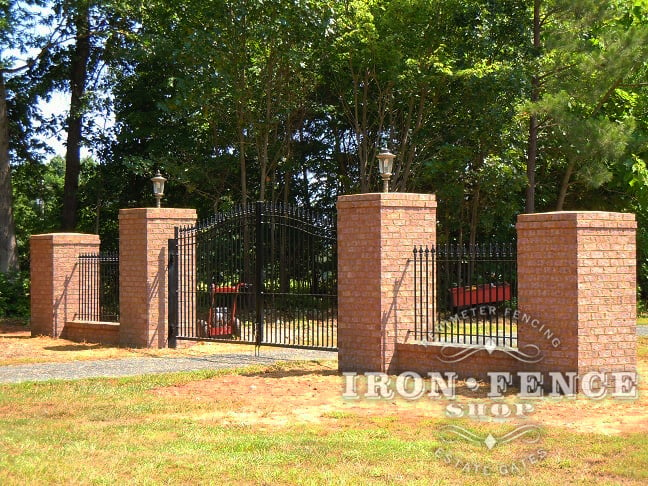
pixel 261 273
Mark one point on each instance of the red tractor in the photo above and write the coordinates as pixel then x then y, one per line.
pixel 222 321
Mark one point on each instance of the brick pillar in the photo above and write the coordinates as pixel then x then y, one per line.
pixel 143 263
pixel 577 290
pixel 376 236
pixel 55 279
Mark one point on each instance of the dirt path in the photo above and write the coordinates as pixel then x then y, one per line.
pixel 313 394
pixel 18 347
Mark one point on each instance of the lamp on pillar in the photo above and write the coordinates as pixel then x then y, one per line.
pixel 158 188
pixel 385 164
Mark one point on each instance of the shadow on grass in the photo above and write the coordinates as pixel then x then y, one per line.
pixel 72 347
pixel 273 372
pixel 11 326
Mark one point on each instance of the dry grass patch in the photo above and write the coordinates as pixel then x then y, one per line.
pixel 18 347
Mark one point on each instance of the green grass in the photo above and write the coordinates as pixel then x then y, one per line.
pixel 120 431
pixel 642 321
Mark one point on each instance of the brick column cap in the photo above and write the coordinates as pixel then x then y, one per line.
pixel 585 219
pixel 157 213
pixel 70 238
pixel 387 199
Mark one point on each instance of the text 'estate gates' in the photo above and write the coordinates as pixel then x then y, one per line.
pixel 261 273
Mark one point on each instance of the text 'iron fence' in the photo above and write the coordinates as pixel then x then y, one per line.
pixel 466 295
pixel 99 287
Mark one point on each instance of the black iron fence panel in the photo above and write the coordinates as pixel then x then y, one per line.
pixel 466 294
pixel 261 273
pixel 99 287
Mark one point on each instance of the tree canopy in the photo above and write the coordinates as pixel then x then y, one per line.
pixel 498 107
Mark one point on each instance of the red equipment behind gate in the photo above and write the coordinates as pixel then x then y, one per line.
pixel 222 321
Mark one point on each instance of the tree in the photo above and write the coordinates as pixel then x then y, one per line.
pixel 80 19
pixel 69 66
pixel 8 248
pixel 582 54
pixel 234 80
pixel 38 196
pixel 15 16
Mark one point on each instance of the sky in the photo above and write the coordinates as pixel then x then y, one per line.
pixel 57 105
pixel 60 101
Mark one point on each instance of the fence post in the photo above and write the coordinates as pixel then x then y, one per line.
pixel 376 234
pixel 260 277
pixel 144 235
pixel 173 291
pixel 55 279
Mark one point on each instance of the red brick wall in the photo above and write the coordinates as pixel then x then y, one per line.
pixel 55 279
pixel 143 284
pixel 577 280
pixel 429 358
pixel 376 236
pixel 106 333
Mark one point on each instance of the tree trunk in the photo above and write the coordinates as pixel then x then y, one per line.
pixel 243 166
pixel 474 217
pixel 8 249
pixel 248 271
pixel 78 75
pixel 531 164
pixel 533 122
pixel 475 208
pixel 564 186
pixel 262 151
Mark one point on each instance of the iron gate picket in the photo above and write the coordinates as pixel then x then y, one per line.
pixel 261 273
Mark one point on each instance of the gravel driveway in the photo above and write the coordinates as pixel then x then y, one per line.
pixel 141 366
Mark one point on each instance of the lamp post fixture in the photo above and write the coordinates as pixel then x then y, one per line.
pixel 158 188
pixel 385 164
